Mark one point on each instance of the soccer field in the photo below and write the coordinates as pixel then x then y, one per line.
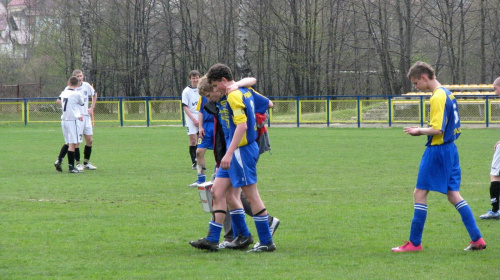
pixel 343 195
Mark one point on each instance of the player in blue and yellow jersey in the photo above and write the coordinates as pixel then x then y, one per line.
pixel 237 167
pixel 439 168
pixel 205 139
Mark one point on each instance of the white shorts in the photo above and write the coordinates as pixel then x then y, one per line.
pixel 495 163
pixel 86 126
pixel 71 132
pixel 191 128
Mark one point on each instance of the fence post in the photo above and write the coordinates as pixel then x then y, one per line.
pixel 147 111
pixel 487 111
pixel 182 116
pixel 328 111
pixel 390 111
pixel 121 111
pixel 359 111
pixel 421 111
pixel 25 111
pixel 298 111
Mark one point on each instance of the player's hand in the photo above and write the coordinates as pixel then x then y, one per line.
pixel 195 121
pixel 91 111
pixel 225 163
pixel 80 118
pixel 201 132
pixel 232 87
pixel 413 131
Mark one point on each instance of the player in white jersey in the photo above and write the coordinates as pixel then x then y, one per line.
pixel 87 91
pixel 71 101
pixel 189 103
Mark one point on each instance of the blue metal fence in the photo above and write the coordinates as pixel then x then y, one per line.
pixel 296 110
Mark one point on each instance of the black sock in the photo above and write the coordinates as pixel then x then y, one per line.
pixel 494 194
pixel 86 153
pixel 192 153
pixel 71 159
pixel 63 152
pixel 77 154
pixel 246 205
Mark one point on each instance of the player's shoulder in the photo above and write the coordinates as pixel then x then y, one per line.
pixel 235 95
pixel 440 93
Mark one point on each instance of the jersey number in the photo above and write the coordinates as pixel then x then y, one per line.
pixel 455 112
pixel 65 101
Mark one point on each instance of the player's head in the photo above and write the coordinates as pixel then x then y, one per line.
pixel 207 90
pixel 219 75
pixel 79 74
pixel 73 81
pixel 496 86
pixel 420 74
pixel 194 77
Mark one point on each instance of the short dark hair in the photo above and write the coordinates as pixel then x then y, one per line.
pixel 219 71
pixel 194 73
pixel 73 81
pixel 420 68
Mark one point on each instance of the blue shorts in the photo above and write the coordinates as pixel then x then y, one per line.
pixel 243 169
pixel 208 139
pixel 439 169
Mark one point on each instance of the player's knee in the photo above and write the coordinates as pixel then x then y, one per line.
pixel 200 153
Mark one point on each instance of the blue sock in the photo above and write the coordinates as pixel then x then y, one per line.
pixel 201 178
pixel 417 223
pixel 262 226
pixel 468 220
pixel 238 222
pixel 214 230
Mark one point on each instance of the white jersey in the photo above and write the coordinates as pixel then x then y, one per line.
pixel 190 98
pixel 71 102
pixel 87 91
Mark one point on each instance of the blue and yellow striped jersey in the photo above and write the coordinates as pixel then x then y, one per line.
pixel 207 117
pixel 241 108
pixel 444 116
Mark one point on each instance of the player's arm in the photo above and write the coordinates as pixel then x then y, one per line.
pixel 240 120
pixel 59 101
pixel 245 82
pixel 201 131
pixel 241 128
pixel 92 106
pixel 417 131
pixel 188 114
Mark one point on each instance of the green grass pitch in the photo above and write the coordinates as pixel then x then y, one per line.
pixel 344 196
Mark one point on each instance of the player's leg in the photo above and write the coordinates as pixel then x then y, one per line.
pixel 71 158
pixel 454 197
pixel 241 233
pixel 417 223
pixel 81 127
pixel 260 218
pixel 218 191
pixel 200 166
pixel 228 232
pixel 192 148
pixel 70 131
pixel 477 242
pixel 273 221
pixel 494 187
pixel 62 154
pixel 88 133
